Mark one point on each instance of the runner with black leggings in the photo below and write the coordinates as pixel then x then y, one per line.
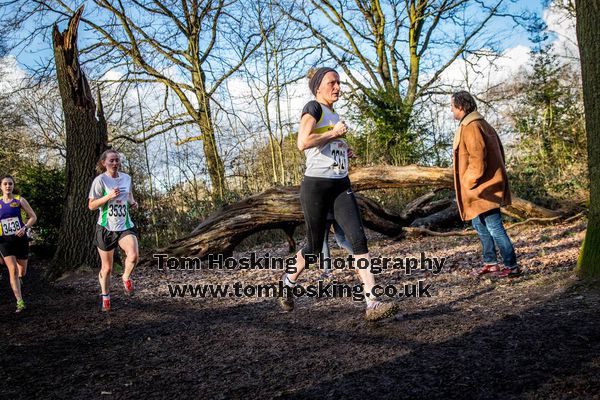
pixel 326 187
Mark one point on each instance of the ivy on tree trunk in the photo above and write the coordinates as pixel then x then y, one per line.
pixel 588 32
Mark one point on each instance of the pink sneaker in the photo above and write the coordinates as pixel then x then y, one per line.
pixel 508 272
pixel 486 269
pixel 105 299
pixel 128 287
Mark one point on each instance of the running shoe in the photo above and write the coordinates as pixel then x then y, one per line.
pixel 105 302
pixel 286 303
pixel 20 306
pixel 286 299
pixel 378 310
pixel 128 287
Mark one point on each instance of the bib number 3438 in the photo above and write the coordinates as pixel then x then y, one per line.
pixel 10 226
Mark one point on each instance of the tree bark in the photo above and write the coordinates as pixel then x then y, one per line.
pixel 588 32
pixel 214 162
pixel 86 138
pixel 441 219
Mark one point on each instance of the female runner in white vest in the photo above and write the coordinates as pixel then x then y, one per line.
pixel 326 187
pixel 111 194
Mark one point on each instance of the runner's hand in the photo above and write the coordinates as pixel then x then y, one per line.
pixel 21 231
pixel 351 153
pixel 340 128
pixel 113 193
pixel 134 205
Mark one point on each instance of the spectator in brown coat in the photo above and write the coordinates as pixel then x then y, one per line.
pixel 481 184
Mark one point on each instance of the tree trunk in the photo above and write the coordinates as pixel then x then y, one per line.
pixel 440 219
pixel 214 163
pixel 588 32
pixel 86 138
pixel 425 205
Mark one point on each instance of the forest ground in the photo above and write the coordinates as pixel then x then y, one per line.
pixel 534 337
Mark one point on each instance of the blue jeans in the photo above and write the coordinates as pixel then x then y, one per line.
pixel 491 231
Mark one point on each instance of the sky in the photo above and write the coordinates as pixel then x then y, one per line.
pixel 38 52
pixel 512 40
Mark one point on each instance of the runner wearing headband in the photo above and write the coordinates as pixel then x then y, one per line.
pixel 326 187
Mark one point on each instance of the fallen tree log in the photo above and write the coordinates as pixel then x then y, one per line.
pixel 441 219
pixel 527 209
pixel 279 208
pixel 416 231
pixel 276 208
pixel 414 208
pixel 387 176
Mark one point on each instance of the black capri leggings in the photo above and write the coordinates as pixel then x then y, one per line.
pixel 318 196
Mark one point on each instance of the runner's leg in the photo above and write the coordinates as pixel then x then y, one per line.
pixel 22 265
pixel 106 257
pixel 129 244
pixel 13 272
pixel 347 215
pixel 315 205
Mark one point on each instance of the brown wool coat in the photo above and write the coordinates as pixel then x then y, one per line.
pixel 480 177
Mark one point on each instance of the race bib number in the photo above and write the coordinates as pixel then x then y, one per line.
pixel 10 226
pixel 338 153
pixel 117 210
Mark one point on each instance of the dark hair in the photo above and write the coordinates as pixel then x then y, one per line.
pixel 15 190
pixel 464 101
pixel 99 166
pixel 7 176
pixel 315 77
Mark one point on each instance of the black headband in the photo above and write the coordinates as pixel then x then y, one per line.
pixel 315 81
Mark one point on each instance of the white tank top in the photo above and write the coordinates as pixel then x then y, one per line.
pixel 331 159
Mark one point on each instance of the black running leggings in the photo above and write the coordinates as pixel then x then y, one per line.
pixel 318 196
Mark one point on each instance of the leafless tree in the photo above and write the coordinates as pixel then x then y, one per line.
pixel 188 49
pixel 396 50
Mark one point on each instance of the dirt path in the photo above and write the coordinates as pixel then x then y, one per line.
pixel 536 336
